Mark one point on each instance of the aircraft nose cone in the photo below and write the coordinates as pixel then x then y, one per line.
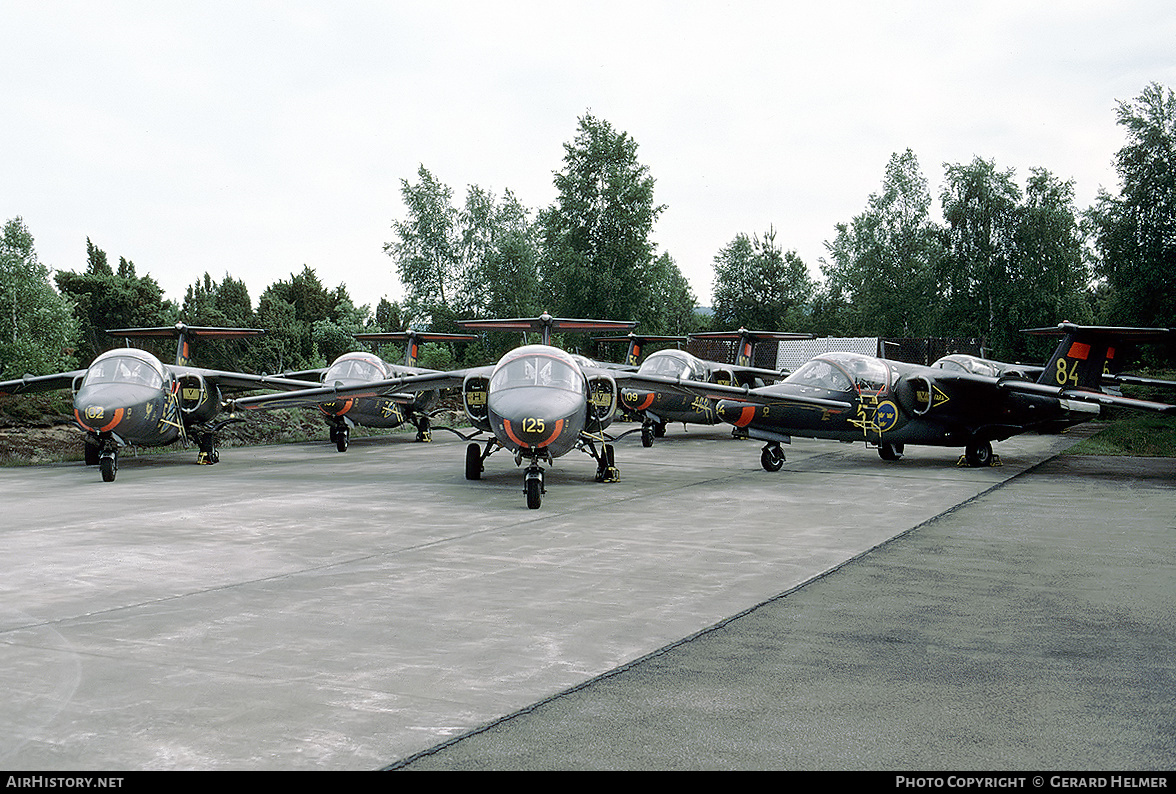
pixel 737 413
pixel 535 417
pixel 638 400
pixel 101 408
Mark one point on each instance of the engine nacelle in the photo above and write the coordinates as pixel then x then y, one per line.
pixel 914 394
pixel 475 394
pixel 603 396
pixel 199 401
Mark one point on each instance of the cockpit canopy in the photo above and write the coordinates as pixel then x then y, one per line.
pixel 673 364
pixel 537 365
pixel 126 366
pixel 843 372
pixel 355 367
pixel 969 364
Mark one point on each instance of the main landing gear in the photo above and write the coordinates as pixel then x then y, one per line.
pixel 888 451
pixel 651 430
pixel 208 454
pixel 979 454
pixel 424 430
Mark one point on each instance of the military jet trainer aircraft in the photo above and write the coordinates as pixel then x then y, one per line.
pixel 387 411
pixel 657 408
pixel 888 404
pixel 128 397
pixel 538 401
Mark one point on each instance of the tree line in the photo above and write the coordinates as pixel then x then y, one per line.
pixel 1004 257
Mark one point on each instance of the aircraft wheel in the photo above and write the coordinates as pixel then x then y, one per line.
pixel 342 438
pixel 534 489
pixel 978 454
pixel 108 465
pixel 424 433
pixel 473 462
pixel 772 457
pixel 647 435
pixel 888 451
pixel 659 430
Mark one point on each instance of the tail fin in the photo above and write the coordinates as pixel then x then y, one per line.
pixel 544 324
pixel 1087 352
pixel 637 344
pixel 747 340
pixel 184 335
pixel 413 339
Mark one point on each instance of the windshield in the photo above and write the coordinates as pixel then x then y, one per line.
pixel 670 364
pixel 353 369
pixel 842 372
pixel 123 369
pixel 967 364
pixel 820 374
pixel 537 369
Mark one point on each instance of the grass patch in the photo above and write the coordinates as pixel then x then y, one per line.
pixel 1140 435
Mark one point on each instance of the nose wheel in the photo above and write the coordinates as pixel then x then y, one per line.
pixel 108 464
pixel 533 487
pixel 772 457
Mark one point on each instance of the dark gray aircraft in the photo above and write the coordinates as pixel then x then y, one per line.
pixel 128 397
pixel 387 411
pixel 888 404
pixel 657 408
pixel 538 401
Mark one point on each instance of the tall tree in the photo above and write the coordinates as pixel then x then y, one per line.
pixel 596 237
pixel 980 206
pixel 758 286
pixel 1049 275
pixel 499 254
pixel 426 250
pixel 883 261
pixel 37 326
pixel 1135 232
pixel 104 299
pixel 670 302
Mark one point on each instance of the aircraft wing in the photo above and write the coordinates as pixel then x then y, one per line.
pixel 242 380
pixel 30 384
pixel 379 388
pixel 763 395
pixel 1101 398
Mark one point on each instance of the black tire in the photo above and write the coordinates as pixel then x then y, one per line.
pixel 888 451
pixel 473 462
pixel 108 465
pixel 342 438
pixel 534 488
pixel 978 454
pixel 646 435
pixel 659 430
pixel 772 458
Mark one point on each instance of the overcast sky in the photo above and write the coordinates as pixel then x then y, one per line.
pixel 253 138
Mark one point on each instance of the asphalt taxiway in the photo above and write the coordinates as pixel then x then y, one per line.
pixel 298 608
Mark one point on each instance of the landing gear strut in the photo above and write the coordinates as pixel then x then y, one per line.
pixel 888 451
